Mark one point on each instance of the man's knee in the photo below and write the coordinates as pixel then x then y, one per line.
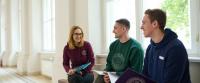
pixel 74 78
pixel 99 79
pixel 89 78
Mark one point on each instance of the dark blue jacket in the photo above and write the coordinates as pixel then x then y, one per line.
pixel 167 61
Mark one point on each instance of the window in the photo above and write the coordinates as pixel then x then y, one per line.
pixel 177 17
pixel 0 29
pixel 48 25
pixel 20 24
pixel 180 18
pixel 2 26
pixel 116 9
pixel 15 25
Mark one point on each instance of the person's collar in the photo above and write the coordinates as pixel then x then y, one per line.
pixel 157 36
pixel 124 39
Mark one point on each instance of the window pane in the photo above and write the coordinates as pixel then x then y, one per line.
pixel 48 25
pixel 47 9
pixel 116 9
pixel 177 17
pixel 2 25
pixel 47 36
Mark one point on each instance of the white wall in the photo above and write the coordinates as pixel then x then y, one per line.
pixel 35 29
pixel 194 72
pixel 25 42
pixel 81 15
pixel 14 30
pixel 88 15
pixel 7 26
pixel 62 24
pixel 47 64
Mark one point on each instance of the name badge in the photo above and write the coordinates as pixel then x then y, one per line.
pixel 161 57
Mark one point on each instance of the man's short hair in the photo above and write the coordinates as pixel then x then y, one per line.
pixel 124 22
pixel 158 15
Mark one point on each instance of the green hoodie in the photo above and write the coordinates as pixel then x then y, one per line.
pixel 125 55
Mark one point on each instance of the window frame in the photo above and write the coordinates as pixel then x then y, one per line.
pixel 45 21
pixel 194 9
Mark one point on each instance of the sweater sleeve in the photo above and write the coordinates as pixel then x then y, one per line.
pixel 66 60
pixel 90 57
pixel 175 65
pixel 136 59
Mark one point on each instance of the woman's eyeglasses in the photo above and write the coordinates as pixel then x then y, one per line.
pixel 78 34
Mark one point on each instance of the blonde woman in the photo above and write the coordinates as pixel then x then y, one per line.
pixel 76 53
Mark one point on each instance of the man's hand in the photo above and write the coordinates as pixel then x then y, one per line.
pixel 71 71
pixel 106 78
pixel 81 73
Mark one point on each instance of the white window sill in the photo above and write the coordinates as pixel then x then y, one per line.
pixel 101 55
pixel 194 59
pixel 47 56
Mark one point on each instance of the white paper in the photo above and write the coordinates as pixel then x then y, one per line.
pixel 113 76
pixel 99 72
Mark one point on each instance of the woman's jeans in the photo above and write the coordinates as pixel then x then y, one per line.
pixel 77 78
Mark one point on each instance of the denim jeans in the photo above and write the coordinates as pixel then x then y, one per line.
pixel 77 78
pixel 99 79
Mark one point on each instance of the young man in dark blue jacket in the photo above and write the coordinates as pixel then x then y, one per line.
pixel 166 59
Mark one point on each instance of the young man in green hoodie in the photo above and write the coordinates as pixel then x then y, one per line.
pixel 124 52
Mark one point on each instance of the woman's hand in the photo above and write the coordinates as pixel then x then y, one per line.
pixel 71 71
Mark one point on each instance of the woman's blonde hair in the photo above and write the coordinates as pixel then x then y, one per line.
pixel 71 41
